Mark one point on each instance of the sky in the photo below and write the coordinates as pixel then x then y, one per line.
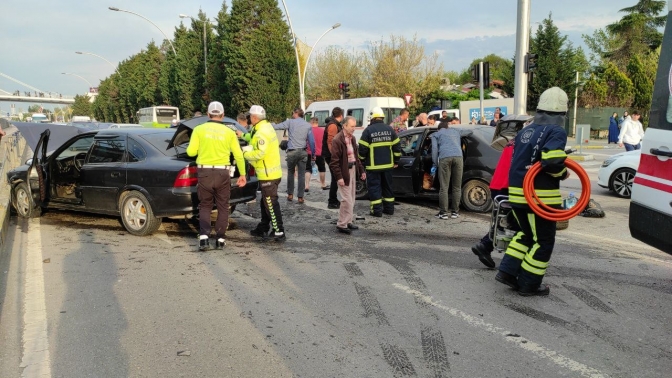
pixel 39 37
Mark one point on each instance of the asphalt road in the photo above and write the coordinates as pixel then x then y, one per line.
pixel 403 296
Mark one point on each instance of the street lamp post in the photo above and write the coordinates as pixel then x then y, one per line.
pixel 303 77
pixel 148 20
pixel 96 55
pixel 68 73
pixel 205 45
pixel 296 52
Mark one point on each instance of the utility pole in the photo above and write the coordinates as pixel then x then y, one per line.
pixel 576 100
pixel 522 46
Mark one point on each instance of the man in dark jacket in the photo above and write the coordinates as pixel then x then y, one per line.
pixel 524 264
pixel 347 168
pixel 333 127
pixel 380 152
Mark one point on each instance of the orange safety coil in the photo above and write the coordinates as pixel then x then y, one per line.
pixel 551 213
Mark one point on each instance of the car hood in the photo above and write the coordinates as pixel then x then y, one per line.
pixel 59 133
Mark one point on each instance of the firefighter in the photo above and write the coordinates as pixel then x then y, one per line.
pixel 380 151
pixel 527 256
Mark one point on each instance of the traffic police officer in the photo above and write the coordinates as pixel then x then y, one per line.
pixel 527 256
pixel 379 151
pixel 214 143
pixel 263 153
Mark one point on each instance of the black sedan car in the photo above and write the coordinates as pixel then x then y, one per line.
pixel 132 173
pixel 480 160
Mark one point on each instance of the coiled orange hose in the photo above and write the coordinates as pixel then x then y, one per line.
pixel 551 213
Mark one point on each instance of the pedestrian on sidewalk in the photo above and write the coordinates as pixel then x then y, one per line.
pixel 300 137
pixel 213 143
pixel 346 167
pixel 632 133
pixel 613 129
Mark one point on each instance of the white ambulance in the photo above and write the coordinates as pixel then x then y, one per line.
pixel 651 206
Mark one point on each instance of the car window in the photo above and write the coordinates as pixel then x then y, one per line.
pixel 409 144
pixel 308 116
pixel 391 114
pixel 78 146
pixel 135 151
pixel 160 141
pixel 358 114
pixel 107 151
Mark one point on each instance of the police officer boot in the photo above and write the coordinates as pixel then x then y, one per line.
pixel 507 279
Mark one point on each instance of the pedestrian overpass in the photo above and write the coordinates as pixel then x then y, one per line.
pixel 35 95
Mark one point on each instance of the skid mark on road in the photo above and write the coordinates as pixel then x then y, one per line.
pixel 398 359
pixel 521 342
pixel 592 301
pixel 35 360
pixel 394 355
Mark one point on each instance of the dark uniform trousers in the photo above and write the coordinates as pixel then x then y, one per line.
pixel 381 196
pixel 530 249
pixel 271 217
pixel 214 187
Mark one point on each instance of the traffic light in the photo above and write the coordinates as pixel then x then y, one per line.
pixel 475 73
pixel 530 62
pixel 486 75
pixel 346 90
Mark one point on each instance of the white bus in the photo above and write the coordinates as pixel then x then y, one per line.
pixel 39 118
pixel 158 116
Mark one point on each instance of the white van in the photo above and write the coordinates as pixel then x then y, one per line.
pixel 451 113
pixel 651 201
pixel 81 119
pixel 360 108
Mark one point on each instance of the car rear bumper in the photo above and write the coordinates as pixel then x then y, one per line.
pixel 651 227
pixel 173 202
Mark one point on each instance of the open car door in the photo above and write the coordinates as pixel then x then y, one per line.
pixel 36 175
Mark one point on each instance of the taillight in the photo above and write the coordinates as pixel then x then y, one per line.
pixel 187 177
pixel 250 171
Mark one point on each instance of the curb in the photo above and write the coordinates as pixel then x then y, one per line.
pixel 13 147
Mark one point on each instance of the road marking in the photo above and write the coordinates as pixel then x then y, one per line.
pixel 35 360
pixel 521 342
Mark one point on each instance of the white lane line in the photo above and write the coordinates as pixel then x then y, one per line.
pixel 528 345
pixel 35 360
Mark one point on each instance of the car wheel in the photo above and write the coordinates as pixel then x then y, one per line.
pixel 621 182
pixel 476 196
pixel 361 190
pixel 23 202
pixel 137 215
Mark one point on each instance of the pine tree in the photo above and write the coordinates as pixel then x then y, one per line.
pixel 642 85
pixel 81 107
pixel 217 62
pixel 620 90
pixel 261 65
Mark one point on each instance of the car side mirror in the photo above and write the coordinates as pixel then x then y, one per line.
pixel 29 161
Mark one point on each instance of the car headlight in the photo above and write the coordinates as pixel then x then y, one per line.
pixel 608 162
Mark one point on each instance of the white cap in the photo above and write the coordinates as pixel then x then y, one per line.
pixel 257 110
pixel 553 100
pixel 216 108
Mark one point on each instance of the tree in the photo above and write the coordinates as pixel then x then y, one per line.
pixel 400 66
pixel 499 67
pixel 593 93
pixel 620 90
pixel 218 61
pixel 82 106
pixel 333 66
pixel 637 31
pixel 642 85
pixel 261 65
pixel 557 62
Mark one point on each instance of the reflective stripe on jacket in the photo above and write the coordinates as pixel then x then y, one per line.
pixel 379 147
pixel 539 143
pixel 265 156
pixel 213 143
